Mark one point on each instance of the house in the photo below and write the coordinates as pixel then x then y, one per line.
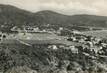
pixel 73 49
pixel 72 38
pixel 54 47
pixel 31 29
pixel 61 28
pixel 76 32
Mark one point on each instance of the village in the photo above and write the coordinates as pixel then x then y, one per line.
pixel 87 42
pixel 73 42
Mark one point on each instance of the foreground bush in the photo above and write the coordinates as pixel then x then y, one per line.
pixel 20 69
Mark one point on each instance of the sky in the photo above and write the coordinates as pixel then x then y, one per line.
pixel 68 7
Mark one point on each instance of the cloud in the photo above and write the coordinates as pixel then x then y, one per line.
pixel 63 6
pixel 69 8
pixel 101 6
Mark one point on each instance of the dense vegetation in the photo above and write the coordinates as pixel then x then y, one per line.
pixel 45 60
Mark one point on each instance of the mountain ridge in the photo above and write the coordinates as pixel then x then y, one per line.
pixel 13 16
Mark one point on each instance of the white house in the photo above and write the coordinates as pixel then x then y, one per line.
pixel 73 49
pixel 54 47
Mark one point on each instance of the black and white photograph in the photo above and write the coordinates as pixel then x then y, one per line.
pixel 53 36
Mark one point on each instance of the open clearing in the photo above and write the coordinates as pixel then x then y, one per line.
pixel 97 33
pixel 38 38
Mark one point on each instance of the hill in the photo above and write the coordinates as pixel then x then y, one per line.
pixel 11 16
pixel 77 20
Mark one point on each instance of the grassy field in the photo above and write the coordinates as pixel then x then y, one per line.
pixel 97 33
pixel 37 38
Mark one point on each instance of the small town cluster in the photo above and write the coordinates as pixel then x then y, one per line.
pixel 82 55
